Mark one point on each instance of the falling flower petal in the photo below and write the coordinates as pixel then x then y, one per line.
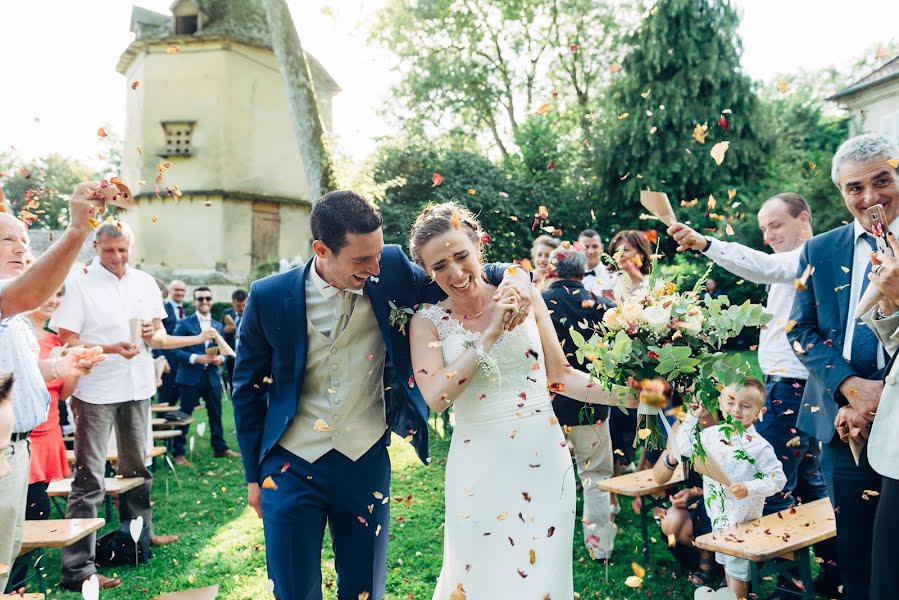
pixel 718 151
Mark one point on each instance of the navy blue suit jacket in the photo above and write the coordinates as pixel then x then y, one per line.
pixel 196 374
pixel 273 345
pixel 821 314
pixel 169 323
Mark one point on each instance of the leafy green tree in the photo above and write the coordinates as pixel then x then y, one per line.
pixel 40 187
pixel 681 92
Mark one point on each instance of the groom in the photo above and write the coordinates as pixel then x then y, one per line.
pixel 322 377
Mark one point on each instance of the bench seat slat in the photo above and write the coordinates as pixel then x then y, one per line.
pixel 640 483
pixel 774 536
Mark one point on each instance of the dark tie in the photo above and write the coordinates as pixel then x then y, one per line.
pixel 180 313
pixel 865 344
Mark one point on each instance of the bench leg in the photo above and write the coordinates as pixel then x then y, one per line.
pixel 755 583
pixel 39 567
pixel 645 512
pixel 805 574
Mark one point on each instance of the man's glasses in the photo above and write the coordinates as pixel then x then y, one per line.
pixel 203 298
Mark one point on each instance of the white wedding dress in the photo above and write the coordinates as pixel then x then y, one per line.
pixel 510 492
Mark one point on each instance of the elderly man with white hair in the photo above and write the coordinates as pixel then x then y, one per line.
pixel 21 291
pixel 119 308
pixel 843 355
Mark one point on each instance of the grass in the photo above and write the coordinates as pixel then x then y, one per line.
pixel 222 542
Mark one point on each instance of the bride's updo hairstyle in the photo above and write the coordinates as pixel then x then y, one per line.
pixel 437 219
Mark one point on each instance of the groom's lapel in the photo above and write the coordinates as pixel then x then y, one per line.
pixel 844 252
pixel 295 318
pixel 377 295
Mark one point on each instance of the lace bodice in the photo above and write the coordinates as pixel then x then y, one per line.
pixel 516 388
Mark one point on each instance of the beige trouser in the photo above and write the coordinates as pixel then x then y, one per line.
pixel 13 498
pixel 593 454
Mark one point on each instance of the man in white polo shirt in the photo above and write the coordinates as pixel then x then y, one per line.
pixel 97 309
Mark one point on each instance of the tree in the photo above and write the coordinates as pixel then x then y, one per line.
pixel 307 124
pixel 40 186
pixel 485 65
pixel 680 93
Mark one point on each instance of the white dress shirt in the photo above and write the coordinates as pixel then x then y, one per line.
pixel 98 306
pixel 883 445
pixel 19 353
pixel 776 356
pixel 323 315
pixel 205 323
pixel 762 479
pixel 861 258
pixel 599 279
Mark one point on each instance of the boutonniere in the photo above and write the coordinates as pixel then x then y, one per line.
pixel 400 315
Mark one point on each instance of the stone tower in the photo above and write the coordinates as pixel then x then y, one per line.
pixel 205 94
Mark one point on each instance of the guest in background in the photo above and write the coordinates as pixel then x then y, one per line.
pixel 177 291
pixel 198 377
pixel 540 251
pixel 586 426
pixel 599 280
pixel 231 318
pixel 633 255
pixel 173 301
pixel 711 288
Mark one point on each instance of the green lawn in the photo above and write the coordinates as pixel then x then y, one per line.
pixel 222 542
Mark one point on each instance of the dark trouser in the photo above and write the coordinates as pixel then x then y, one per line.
pixel 94 422
pixel 884 574
pixel 855 510
pixel 801 461
pixel 36 509
pixel 190 399
pixel 336 490
pixel 168 391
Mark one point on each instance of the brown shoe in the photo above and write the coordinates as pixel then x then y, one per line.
pixel 106 583
pixel 227 454
pixel 163 540
pixel 181 460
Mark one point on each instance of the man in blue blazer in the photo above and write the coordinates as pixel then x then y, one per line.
pixel 322 378
pixel 843 355
pixel 168 391
pixel 198 377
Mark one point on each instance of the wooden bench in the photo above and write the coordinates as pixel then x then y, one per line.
pixel 641 484
pixel 777 543
pixel 22 596
pixel 154 452
pixel 54 533
pixel 164 424
pixel 114 486
pixel 164 408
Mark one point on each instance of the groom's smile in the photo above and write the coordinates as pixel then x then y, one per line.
pixel 349 266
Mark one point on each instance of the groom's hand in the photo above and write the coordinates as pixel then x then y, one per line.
pixel 687 238
pixel 254 498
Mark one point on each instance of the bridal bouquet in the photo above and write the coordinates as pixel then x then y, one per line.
pixel 660 334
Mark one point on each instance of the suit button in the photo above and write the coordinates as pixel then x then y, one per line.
pixel 333 350
pixel 891 380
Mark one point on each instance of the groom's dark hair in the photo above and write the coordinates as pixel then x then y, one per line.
pixel 339 213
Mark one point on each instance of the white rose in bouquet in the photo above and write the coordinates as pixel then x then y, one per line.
pixel 692 322
pixel 611 319
pixel 657 317
pixel 631 313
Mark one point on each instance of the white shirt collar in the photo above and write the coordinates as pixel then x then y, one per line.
pixel 858 230
pixel 96 267
pixel 202 318
pixel 324 288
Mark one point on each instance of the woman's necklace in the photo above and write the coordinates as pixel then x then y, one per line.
pixel 467 317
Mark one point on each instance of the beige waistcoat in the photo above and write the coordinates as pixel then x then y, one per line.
pixel 343 385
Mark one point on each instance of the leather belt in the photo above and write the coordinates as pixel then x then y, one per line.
pixel 781 379
pixel 18 437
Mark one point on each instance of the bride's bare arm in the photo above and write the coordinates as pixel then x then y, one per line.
pixel 440 384
pixel 576 384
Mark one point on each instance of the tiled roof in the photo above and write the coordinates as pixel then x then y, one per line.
pixel 886 72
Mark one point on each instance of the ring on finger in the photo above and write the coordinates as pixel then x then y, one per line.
pixel 522 310
pixel 878 269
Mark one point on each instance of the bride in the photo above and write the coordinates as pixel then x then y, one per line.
pixel 510 495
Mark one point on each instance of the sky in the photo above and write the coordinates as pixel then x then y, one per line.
pixel 58 82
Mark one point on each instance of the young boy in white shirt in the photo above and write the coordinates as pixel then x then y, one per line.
pixel 747 459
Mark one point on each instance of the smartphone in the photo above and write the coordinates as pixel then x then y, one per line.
pixel 879 228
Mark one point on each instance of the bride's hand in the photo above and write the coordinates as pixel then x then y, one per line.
pixel 508 301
